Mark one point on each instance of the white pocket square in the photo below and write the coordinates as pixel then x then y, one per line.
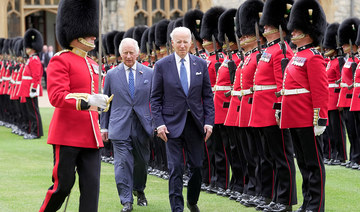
pixel 198 73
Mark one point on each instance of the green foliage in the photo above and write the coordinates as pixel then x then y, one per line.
pixel 26 167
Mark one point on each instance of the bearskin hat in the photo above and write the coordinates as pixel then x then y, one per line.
pixel 237 22
pixel 104 44
pixel 129 33
pixel 144 40
pixel 226 25
pixel 179 22
pixel 117 40
pixel 138 32
pixel 19 47
pixel 348 29
pixel 330 36
pixel 1 44
pixel 34 40
pixel 5 49
pixel 170 29
pixel 309 17
pixel 209 25
pixel 192 20
pixel 151 36
pixel 276 12
pixel 13 44
pixel 160 32
pixel 110 42
pixel 357 42
pixel 249 15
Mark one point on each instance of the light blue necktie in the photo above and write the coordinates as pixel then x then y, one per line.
pixel 183 77
pixel 131 83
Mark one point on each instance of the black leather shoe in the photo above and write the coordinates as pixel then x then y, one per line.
pixel 349 165
pixel 334 162
pixel 345 163
pixel 227 193
pixel 326 161
pixel 141 199
pixel 127 207
pixel 220 191
pixel 278 207
pixel 300 209
pixel 355 166
pixel 234 195
pixel 212 190
pixel 244 201
pixel 192 208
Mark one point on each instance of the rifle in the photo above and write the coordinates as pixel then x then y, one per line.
pixel 231 64
pixel 285 60
pixel 155 54
pixel 195 44
pixel 258 56
pixel 107 67
pixel 217 64
pixel 353 64
pixel 340 54
pixel 238 42
pixel 148 54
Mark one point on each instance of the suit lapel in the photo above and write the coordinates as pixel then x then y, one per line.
pixel 139 77
pixel 193 69
pixel 175 73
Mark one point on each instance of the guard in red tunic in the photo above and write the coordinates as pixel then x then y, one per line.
pixel 74 130
pixel 305 94
pixel 335 150
pixel 30 87
pixel 347 32
pixel 267 81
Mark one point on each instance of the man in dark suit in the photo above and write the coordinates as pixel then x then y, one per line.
pixel 128 123
pixel 183 110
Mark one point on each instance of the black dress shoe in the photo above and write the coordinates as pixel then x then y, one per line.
pixel 349 165
pixel 345 163
pixel 127 207
pixel 220 191
pixel 227 193
pixel 141 199
pixel 212 190
pixel 234 195
pixel 192 208
pixel 355 166
pixel 300 209
pixel 279 207
pixel 334 162
pixel 252 202
pixel 326 161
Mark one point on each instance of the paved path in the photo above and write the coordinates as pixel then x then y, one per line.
pixel 44 100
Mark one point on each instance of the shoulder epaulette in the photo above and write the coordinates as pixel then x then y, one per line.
pixel 62 51
pixel 315 52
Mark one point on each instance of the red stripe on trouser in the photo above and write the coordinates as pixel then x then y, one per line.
pixel 226 168
pixel 329 148
pixel 342 138
pixel 287 162
pixel 37 118
pixel 184 156
pixel 207 153
pixel 56 179
pixel 322 183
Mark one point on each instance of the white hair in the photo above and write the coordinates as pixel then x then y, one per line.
pixel 127 40
pixel 180 30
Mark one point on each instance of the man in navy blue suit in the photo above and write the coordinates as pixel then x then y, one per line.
pixel 128 123
pixel 183 110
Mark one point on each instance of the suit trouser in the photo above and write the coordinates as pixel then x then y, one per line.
pixel 309 158
pixel 131 157
pixel 221 139
pixel 278 143
pixel 208 173
pixel 34 118
pixel 337 136
pixel 354 140
pixel 192 141
pixel 67 161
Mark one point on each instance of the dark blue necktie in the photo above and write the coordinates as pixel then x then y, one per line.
pixel 183 77
pixel 131 83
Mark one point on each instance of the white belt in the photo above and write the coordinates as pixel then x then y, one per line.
pixel 12 81
pixel 356 84
pixel 18 82
pixel 6 78
pixel 213 89
pixel 27 78
pixel 344 85
pixel 241 93
pixel 333 85
pixel 222 88
pixel 264 87
pixel 286 92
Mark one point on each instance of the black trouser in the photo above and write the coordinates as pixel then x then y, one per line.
pixel 356 144
pixel 278 144
pixel 208 168
pixel 67 161
pixel 350 124
pixel 337 136
pixel 309 158
pixel 34 118
pixel 221 139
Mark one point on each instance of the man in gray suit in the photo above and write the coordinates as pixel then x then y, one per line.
pixel 128 123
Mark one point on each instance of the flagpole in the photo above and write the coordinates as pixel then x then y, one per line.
pixel 100 47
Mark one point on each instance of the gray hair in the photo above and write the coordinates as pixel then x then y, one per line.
pixel 127 40
pixel 180 30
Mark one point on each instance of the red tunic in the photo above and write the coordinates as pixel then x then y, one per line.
pixel 333 73
pixel 346 80
pixel 18 81
pixel 5 79
pixel 69 74
pixel 305 70
pixel 268 73
pixel 246 82
pixel 221 102
pixel 14 74
pixel 211 60
pixel 233 112
pixel 355 100
pixel 31 78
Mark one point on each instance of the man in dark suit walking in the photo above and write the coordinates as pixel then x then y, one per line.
pixel 183 110
pixel 128 123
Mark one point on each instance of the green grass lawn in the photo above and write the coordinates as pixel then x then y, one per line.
pixel 26 167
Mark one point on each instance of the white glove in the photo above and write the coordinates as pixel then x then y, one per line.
pixel 318 130
pixel 32 94
pixel 277 114
pixel 98 100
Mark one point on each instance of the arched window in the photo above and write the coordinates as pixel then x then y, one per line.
pixel 13 19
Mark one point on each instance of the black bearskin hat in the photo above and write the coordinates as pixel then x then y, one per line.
pixel 1 44
pixel 209 25
pixel 330 36
pixel 226 25
pixel 19 47
pixel 276 12
pixel 249 15
pixel 170 29
pixel 309 17
pixel 129 33
pixel 110 42
pixel 192 20
pixel 348 29
pixel 104 44
pixel 151 36
pixel 34 40
pixel 237 22
pixel 144 40
pixel 117 40
pixel 76 19
pixel 6 45
pixel 178 22
pixel 160 32
pixel 357 42
pixel 138 32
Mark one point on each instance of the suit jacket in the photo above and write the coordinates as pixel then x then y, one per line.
pixel 119 117
pixel 170 105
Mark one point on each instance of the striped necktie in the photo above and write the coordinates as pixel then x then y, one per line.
pixel 131 83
